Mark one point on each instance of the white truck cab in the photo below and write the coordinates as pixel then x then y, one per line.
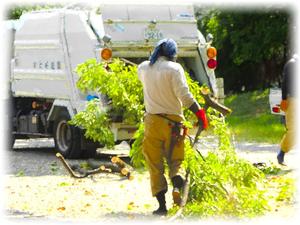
pixel 49 44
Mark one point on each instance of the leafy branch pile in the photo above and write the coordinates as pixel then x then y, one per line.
pixel 120 91
pixel 222 185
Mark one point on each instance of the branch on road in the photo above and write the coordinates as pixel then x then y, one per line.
pixel 120 168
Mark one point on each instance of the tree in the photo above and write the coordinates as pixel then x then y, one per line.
pixel 253 45
pixel 15 11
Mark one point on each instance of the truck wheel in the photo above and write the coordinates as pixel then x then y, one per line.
pixel 66 137
pixel 89 152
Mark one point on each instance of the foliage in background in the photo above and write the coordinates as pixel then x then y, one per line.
pixel 223 185
pixel 252 44
pixel 251 119
pixel 15 11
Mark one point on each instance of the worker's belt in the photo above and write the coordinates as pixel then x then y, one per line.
pixel 178 132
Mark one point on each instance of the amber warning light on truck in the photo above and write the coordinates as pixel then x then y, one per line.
pixel 106 54
pixel 211 54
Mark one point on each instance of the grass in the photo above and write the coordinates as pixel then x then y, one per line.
pixel 251 119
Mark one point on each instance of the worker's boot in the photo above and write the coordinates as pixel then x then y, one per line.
pixel 280 157
pixel 177 182
pixel 162 209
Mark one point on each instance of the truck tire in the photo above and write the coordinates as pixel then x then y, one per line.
pixel 89 152
pixel 88 147
pixel 66 137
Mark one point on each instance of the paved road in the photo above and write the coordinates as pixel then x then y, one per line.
pixel 36 157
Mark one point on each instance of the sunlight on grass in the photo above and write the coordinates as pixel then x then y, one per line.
pixel 251 119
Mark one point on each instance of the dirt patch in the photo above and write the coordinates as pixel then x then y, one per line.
pixel 102 196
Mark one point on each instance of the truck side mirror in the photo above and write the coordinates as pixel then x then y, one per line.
pixel 209 38
pixel 106 38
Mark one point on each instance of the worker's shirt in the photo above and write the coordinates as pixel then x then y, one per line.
pixel 165 87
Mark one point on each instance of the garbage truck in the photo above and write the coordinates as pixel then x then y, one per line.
pixel 47 45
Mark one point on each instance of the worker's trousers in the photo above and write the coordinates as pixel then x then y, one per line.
pixel 289 138
pixel 156 148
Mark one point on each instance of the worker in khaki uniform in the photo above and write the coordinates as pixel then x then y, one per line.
pixel 165 93
pixel 288 105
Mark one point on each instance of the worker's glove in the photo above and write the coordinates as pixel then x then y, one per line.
pixel 283 105
pixel 202 118
pixel 200 113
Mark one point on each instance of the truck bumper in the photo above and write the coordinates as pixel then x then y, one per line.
pixel 122 131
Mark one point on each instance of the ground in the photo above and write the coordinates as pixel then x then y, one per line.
pixel 38 187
